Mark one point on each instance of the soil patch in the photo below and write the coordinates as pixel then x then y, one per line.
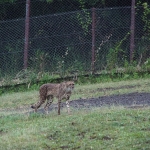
pixel 132 100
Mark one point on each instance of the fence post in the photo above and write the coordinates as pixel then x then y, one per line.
pixel 93 40
pixel 132 29
pixel 26 44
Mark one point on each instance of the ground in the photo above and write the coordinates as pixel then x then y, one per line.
pixel 132 100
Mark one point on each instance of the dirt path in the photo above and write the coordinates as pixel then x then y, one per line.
pixel 132 100
pixel 128 100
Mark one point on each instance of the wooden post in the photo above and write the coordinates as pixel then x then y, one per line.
pixel 26 44
pixel 93 40
pixel 132 29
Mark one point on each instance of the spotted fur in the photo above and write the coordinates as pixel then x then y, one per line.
pixel 49 91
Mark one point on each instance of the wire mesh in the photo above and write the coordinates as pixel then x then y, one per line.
pixel 59 43
pixel 62 43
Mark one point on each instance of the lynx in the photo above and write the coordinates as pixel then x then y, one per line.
pixel 49 91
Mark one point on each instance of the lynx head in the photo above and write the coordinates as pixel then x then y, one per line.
pixel 69 86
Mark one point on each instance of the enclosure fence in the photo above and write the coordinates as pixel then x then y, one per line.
pixel 85 41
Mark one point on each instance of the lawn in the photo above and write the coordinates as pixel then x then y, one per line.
pixel 105 128
pixel 98 128
pixel 25 99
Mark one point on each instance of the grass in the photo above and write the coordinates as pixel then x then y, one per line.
pixel 102 128
pixel 25 99
pixel 106 128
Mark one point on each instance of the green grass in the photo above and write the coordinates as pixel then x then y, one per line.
pixel 25 99
pixel 102 128
pixel 105 128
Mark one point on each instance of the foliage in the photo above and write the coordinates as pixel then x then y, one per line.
pixel 13 56
pixel 42 7
pixel 51 57
pixel 19 85
pixel 146 65
pixel 39 60
pixel 84 17
pixel 143 45
pixel 112 57
pixel 146 18
pixel 98 56
pixel 49 1
pixel 90 2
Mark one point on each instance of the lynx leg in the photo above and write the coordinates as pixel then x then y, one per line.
pixel 59 103
pixel 49 102
pixel 68 107
pixel 37 105
pixel 67 103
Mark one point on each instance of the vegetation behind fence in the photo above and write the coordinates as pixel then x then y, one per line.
pixel 91 40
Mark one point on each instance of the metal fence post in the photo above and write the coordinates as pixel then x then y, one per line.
pixel 132 28
pixel 26 44
pixel 93 40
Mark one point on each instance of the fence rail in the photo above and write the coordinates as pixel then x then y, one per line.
pixel 80 41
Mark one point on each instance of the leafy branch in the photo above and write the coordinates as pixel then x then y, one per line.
pixel 84 17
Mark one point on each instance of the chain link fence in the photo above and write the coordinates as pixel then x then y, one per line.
pixel 73 42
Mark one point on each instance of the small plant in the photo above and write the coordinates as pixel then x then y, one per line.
pixel 99 58
pixel 143 45
pixel 84 17
pixel 145 18
pixel 61 63
pixel 39 61
pixel 146 65
pixel 12 58
pixel 112 57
